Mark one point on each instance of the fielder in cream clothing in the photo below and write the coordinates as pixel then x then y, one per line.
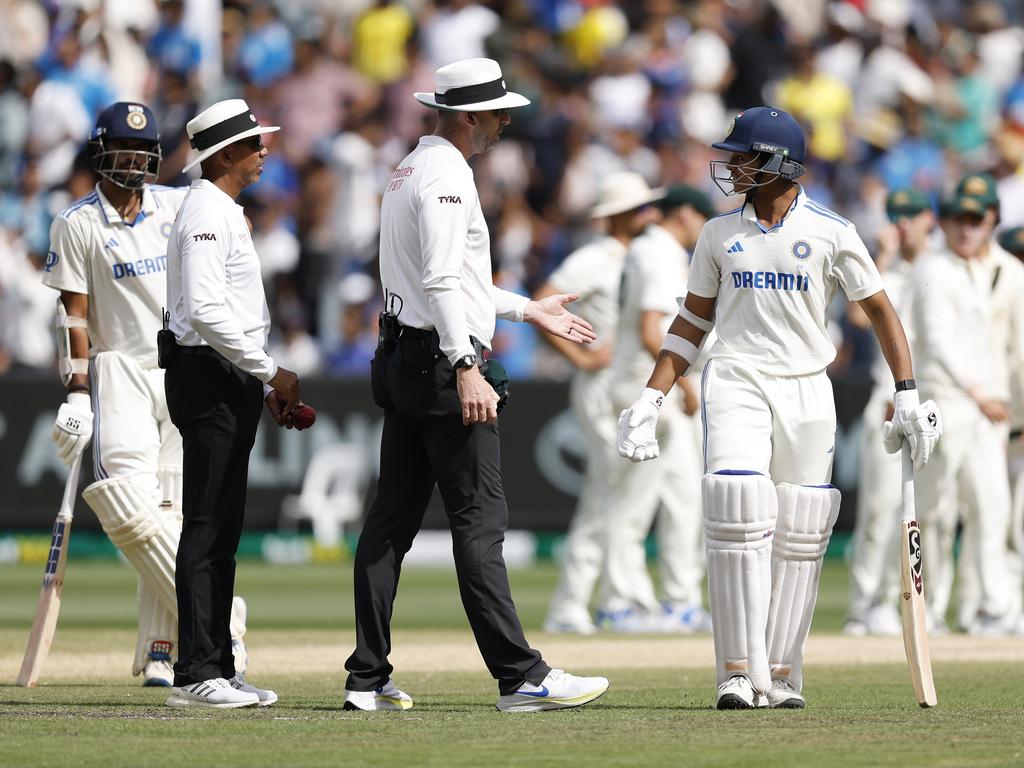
pixel 653 279
pixel 108 258
pixel 874 567
pixel 595 270
pixel 959 367
pixel 763 276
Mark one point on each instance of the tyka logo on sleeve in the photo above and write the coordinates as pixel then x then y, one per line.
pixel 449 199
pixel 205 236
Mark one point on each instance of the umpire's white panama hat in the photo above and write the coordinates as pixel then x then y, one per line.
pixel 224 123
pixel 471 85
pixel 623 191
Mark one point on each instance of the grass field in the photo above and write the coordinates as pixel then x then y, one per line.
pixel 88 711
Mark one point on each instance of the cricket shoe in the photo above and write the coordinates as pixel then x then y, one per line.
pixel 784 695
pixel 559 690
pixel 738 693
pixel 157 674
pixel 577 623
pixel 266 697
pixel 216 692
pixel 632 621
pixel 855 628
pixel 883 620
pixel 386 698
pixel 685 618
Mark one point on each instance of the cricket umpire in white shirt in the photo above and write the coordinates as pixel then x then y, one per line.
pixel 218 373
pixel 440 422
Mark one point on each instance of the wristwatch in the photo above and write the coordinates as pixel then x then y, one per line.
pixel 466 361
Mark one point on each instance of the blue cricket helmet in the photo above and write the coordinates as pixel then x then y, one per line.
pixel 775 136
pixel 766 129
pixel 128 168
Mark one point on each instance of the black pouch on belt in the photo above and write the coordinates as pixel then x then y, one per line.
pixel 166 344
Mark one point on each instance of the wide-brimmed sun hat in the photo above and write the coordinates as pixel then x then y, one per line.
pixel 224 123
pixel 623 191
pixel 471 85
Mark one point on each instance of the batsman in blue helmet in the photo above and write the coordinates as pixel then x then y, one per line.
pixel 762 276
pixel 108 259
pixel 124 147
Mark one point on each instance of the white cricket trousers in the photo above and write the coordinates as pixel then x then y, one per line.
pixel 874 565
pixel 783 427
pixel 132 431
pixel 590 398
pixel 967 474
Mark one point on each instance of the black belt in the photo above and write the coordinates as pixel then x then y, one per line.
pixel 201 351
pixel 431 339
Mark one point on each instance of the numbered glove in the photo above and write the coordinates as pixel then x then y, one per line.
pixel 73 429
pixel 920 424
pixel 636 439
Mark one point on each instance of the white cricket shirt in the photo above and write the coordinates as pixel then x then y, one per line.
pixel 950 310
pixel 121 266
pixel 433 238
pixel 773 286
pixel 214 289
pixel 653 277
pixel 1005 277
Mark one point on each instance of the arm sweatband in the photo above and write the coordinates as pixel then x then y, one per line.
pixel 694 319
pixel 680 346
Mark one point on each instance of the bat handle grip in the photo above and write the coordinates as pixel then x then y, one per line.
pixel 907 506
pixel 67 503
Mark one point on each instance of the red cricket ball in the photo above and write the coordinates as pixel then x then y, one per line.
pixel 303 417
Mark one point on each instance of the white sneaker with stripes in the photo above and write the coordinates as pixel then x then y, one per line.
pixel 266 697
pixel 216 692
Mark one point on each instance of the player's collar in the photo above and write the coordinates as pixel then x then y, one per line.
pixel 111 215
pixel 751 216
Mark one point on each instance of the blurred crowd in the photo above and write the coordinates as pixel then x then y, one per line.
pixel 893 94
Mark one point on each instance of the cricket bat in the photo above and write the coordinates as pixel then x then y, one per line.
pixel 48 607
pixel 915 629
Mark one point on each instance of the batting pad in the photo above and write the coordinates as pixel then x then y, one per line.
pixel 158 630
pixel 806 516
pixel 171 485
pixel 134 524
pixel 739 515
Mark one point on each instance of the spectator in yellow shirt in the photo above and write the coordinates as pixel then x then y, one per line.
pixel 819 101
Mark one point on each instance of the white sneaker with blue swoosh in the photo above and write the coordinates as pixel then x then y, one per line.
pixel 387 698
pixel 559 690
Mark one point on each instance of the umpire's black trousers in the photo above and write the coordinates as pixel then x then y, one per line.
pixel 425 443
pixel 216 408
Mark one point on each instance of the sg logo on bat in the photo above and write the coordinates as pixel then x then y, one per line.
pixel 913 544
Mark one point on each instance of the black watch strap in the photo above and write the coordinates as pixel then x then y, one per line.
pixel 905 385
pixel 466 361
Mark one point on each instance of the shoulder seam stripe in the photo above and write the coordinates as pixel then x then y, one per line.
pixel 831 216
pixel 88 200
pixel 819 208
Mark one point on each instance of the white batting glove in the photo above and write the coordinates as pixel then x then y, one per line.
pixel 73 429
pixel 635 438
pixel 920 424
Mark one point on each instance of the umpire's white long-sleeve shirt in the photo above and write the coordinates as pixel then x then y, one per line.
pixel 435 251
pixel 214 289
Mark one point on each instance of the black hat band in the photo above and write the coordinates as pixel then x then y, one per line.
pixel 472 94
pixel 224 130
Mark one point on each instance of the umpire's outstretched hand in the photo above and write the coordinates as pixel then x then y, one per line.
pixel 549 314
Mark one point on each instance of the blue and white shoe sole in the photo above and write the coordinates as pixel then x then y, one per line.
pixel 520 703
